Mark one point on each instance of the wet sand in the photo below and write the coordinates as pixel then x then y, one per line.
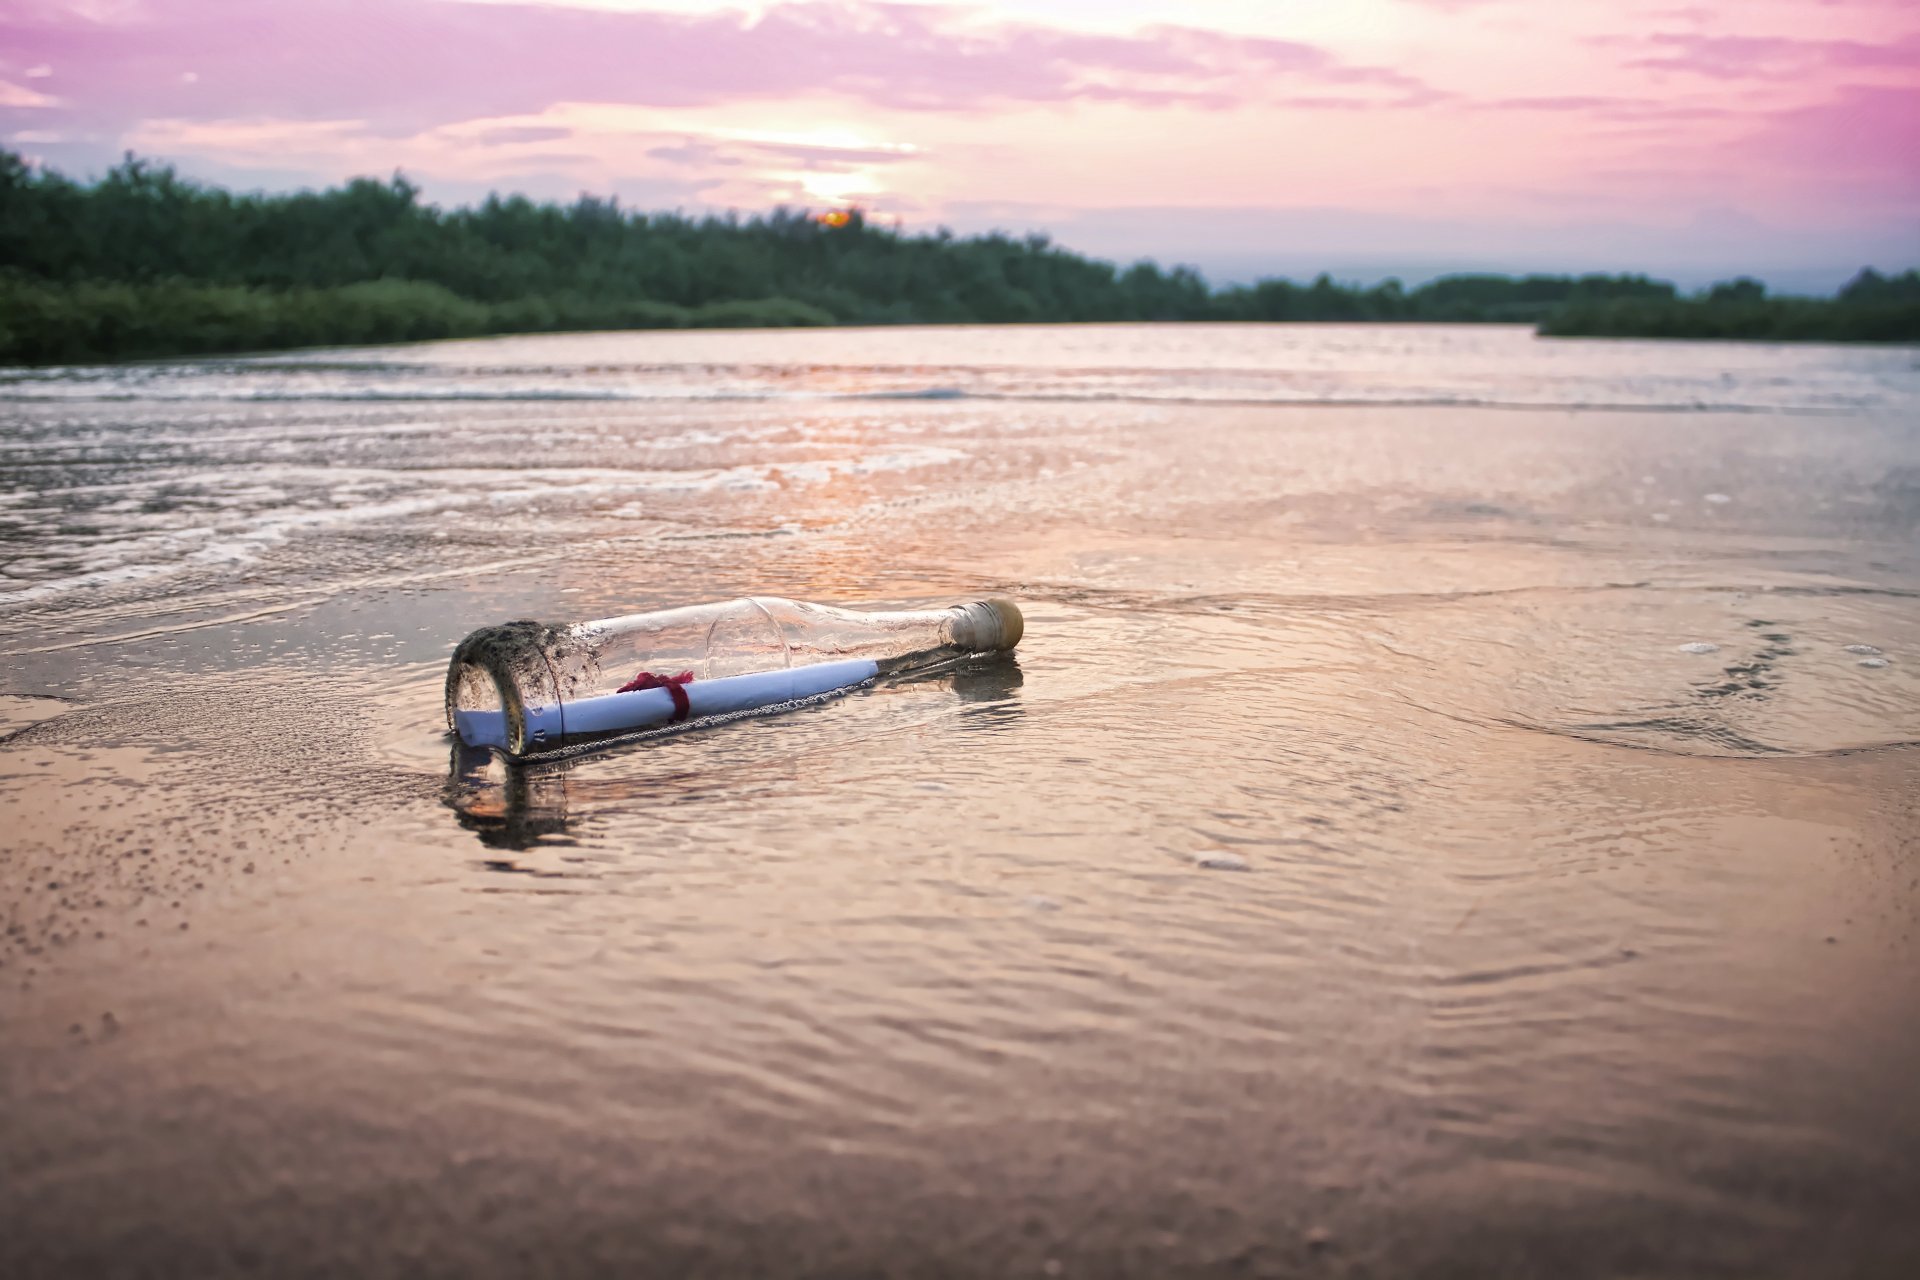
pixel 1558 948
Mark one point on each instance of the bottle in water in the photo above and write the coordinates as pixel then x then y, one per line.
pixel 527 687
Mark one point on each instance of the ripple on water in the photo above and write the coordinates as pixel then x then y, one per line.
pixel 1577 664
pixel 944 942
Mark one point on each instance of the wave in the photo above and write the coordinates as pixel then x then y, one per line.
pixel 919 393
pixel 376 396
pixel 1171 397
pixel 218 547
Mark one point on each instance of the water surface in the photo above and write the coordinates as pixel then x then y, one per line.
pixel 1456 811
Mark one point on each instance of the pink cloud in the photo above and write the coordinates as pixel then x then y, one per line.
pixel 1846 157
pixel 1869 135
pixel 1737 57
pixel 703 153
pixel 1610 107
pixel 516 135
pixel 411 64
pixel 20 97
pixel 1553 102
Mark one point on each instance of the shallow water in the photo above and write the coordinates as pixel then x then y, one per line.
pixel 1440 821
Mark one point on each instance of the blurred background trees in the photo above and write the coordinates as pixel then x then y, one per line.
pixel 143 263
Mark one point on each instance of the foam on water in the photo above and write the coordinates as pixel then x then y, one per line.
pixel 1483 366
pixel 167 522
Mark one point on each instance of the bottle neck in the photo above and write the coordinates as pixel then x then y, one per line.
pixel 985 626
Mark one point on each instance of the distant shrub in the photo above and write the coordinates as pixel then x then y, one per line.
pixel 1739 312
pixel 763 313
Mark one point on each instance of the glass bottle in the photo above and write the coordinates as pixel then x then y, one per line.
pixel 526 687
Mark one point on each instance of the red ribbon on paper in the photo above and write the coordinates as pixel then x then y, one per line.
pixel 674 685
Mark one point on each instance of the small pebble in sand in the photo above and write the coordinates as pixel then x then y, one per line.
pixel 1718 499
pixel 1867 649
pixel 1218 861
pixel 1699 646
pixel 1872 662
pixel 1661 517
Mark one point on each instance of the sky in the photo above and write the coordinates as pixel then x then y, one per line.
pixel 1779 138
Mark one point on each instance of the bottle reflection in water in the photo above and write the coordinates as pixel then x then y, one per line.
pixel 508 806
pixel 525 687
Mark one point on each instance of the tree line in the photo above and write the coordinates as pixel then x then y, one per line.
pixel 143 262
pixel 1870 308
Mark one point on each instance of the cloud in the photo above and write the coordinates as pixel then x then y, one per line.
pixel 1741 57
pixel 1610 108
pixel 1554 102
pixel 701 151
pixel 826 153
pixel 694 153
pixel 23 98
pixel 515 135
pixel 1849 152
pixel 1867 134
pixel 418 63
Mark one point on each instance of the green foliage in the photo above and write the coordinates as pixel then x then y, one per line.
pixel 43 322
pixel 145 263
pixel 1871 289
pixel 1462 299
pixel 1872 308
pixel 761 313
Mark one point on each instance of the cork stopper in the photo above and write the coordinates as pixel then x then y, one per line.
pixel 989 626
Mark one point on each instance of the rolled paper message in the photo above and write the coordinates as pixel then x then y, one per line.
pixel 648 708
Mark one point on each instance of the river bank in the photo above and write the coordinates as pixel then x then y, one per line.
pixel 44 324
